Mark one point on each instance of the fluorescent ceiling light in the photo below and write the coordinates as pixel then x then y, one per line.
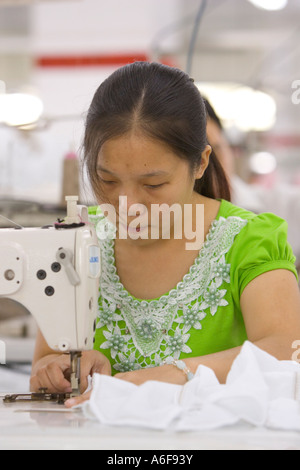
pixel 262 163
pixel 270 4
pixel 18 109
pixel 241 107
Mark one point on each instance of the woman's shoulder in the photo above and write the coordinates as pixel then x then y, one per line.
pixel 227 209
pixel 260 246
pixel 262 237
pixel 261 223
pixel 263 240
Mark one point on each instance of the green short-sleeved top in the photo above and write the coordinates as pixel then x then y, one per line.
pixel 202 314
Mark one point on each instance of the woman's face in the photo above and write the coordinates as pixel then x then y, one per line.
pixel 133 169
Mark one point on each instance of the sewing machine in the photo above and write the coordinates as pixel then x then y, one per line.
pixel 54 273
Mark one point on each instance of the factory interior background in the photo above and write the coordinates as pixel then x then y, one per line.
pixel 55 53
pixel 60 50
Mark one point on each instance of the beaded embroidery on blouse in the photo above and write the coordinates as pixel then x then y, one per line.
pixel 143 333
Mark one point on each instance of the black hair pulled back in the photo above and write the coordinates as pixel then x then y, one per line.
pixel 162 103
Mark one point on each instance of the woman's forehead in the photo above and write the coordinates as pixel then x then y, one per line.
pixel 146 157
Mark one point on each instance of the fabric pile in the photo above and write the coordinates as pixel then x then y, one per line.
pixel 259 390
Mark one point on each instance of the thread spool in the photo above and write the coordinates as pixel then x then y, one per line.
pixel 70 183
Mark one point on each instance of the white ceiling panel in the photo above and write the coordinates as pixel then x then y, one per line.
pixel 30 2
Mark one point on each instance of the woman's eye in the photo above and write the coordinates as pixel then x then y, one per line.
pixel 155 186
pixel 107 182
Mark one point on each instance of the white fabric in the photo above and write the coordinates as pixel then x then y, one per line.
pixel 260 390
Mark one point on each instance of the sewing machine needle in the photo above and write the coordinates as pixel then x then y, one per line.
pixel 75 372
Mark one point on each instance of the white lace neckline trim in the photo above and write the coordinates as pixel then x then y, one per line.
pixel 140 333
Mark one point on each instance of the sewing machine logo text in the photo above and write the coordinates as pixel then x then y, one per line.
pixel 2 352
pixel 94 258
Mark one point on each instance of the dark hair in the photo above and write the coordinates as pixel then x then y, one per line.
pixel 211 113
pixel 162 102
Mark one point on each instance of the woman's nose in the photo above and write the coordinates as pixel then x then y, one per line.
pixel 131 201
pixel 130 206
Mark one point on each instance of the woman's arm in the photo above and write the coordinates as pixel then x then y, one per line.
pixel 271 311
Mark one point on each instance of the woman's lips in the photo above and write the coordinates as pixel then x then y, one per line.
pixel 132 229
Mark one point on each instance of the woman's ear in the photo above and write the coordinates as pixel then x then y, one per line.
pixel 204 162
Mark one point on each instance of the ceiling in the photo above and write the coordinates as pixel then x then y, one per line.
pixel 236 37
pixel 236 42
pixel 231 29
pixel 240 43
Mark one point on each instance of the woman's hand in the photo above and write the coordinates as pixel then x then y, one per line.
pixel 53 371
pixel 78 400
pixel 166 373
pixel 93 362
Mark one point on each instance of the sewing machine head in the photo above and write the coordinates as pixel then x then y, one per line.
pixel 54 273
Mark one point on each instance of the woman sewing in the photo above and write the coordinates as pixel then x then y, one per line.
pixel 165 309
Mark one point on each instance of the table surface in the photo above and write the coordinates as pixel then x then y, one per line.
pixel 49 426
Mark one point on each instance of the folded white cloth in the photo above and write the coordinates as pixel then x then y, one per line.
pixel 259 390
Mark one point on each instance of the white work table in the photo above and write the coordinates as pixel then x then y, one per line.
pixel 48 426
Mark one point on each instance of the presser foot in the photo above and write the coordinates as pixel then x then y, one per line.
pixel 75 373
pixel 59 398
pixel 40 396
